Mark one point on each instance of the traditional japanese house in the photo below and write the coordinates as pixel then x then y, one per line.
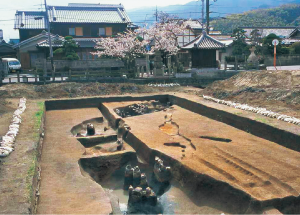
pixel 77 20
pixel 86 23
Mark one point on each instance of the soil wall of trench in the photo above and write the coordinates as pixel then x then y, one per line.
pixel 194 183
pixel 36 181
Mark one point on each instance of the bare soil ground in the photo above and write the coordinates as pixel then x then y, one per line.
pixel 193 125
pixel 260 168
pixel 64 190
pixel 278 91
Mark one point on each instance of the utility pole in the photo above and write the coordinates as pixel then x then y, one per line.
pixel 49 36
pixel 156 13
pixel 207 16
pixel 202 22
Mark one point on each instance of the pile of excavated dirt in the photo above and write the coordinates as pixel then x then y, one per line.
pixel 71 90
pixel 278 91
pixel 5 106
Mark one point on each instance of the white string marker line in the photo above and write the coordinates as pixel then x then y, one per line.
pixel 8 140
pixel 261 111
pixel 164 85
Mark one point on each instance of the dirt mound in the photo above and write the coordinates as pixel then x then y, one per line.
pixel 4 107
pixel 70 90
pixel 276 90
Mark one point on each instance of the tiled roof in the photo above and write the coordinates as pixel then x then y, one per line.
pixel 87 42
pixel 39 37
pixel 30 20
pixel 294 32
pixel 88 14
pixel 289 41
pixel 7 45
pixel 204 41
pixel 96 5
pixel 194 24
pixel 74 13
pixel 57 41
pixel 282 32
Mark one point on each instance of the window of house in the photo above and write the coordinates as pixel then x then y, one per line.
pixel 116 30
pixel 72 31
pixel 101 31
pixel 108 31
pixel 79 31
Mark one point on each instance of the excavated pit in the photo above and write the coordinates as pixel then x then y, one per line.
pixel 252 174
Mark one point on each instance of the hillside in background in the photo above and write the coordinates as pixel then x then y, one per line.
pixel 193 9
pixel 285 15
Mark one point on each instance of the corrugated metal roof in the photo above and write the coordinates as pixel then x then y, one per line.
pixel 75 14
pixel 204 41
pixel 30 20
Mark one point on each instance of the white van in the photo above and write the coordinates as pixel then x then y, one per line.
pixel 11 65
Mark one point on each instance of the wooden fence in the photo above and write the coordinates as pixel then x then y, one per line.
pixel 83 75
pixel 64 76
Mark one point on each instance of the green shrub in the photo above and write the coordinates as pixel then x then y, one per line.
pixel 68 50
pixel 180 67
pixel 40 71
pixel 66 68
pixel 232 59
pixel 295 48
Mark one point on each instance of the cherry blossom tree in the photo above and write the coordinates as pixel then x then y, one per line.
pixel 129 45
pixel 126 45
pixel 164 35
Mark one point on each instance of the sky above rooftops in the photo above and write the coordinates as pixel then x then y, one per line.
pixel 8 9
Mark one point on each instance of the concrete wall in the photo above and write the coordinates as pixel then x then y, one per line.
pixel 81 64
pixel 227 52
pixel 283 60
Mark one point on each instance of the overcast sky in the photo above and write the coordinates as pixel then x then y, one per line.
pixel 9 7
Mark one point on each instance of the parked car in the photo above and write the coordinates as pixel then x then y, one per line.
pixel 11 65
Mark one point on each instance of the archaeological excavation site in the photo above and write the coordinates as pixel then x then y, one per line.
pixel 164 154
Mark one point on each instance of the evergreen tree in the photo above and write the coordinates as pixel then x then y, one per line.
pixel 68 50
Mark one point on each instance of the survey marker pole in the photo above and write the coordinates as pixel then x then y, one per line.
pixel 275 43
